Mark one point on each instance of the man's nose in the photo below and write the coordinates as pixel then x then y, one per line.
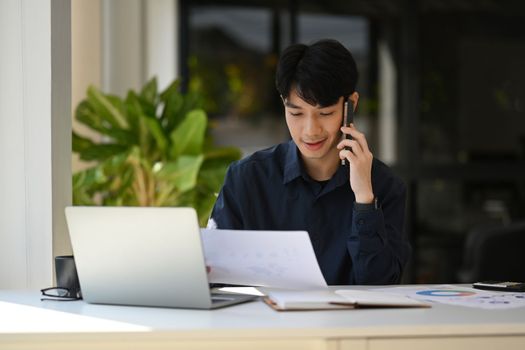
pixel 312 126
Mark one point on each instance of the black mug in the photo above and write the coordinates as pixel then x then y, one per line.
pixel 66 274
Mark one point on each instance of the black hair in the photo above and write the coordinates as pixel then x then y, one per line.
pixel 321 72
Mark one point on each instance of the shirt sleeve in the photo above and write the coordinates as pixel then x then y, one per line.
pixel 226 212
pixel 376 244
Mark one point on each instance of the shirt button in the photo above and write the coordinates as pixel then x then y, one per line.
pixel 361 222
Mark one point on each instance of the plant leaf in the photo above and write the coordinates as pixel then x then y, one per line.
pixel 148 125
pixel 172 114
pixel 131 113
pixel 182 172
pixel 86 115
pixel 85 183
pixel 106 108
pixel 224 154
pixel 149 92
pixel 173 101
pixel 188 137
pixel 154 127
pixel 102 151
pixel 148 159
pixel 79 143
pixel 173 88
pixel 135 110
pixel 204 207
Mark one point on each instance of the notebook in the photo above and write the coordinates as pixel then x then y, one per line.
pixel 142 256
pixel 327 299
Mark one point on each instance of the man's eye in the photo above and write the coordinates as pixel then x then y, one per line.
pixel 295 114
pixel 326 113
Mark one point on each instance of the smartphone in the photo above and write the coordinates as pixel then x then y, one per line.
pixel 348 117
pixel 500 286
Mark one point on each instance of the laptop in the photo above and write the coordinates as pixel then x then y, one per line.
pixel 142 256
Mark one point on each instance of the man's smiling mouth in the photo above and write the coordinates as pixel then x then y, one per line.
pixel 314 145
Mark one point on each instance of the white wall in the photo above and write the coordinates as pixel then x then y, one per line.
pixel 122 50
pixel 118 44
pixel 139 40
pixel 161 41
pixel 86 61
pixel 35 181
pixel 60 115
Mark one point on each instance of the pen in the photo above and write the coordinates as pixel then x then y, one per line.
pixel 348 117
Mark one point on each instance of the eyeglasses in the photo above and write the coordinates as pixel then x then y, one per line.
pixel 60 294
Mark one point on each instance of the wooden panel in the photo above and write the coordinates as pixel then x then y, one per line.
pixel 165 344
pixel 351 344
pixel 453 343
pixel 123 342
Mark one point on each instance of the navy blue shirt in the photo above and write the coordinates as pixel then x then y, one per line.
pixel 270 190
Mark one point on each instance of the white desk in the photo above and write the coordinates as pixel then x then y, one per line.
pixel 28 323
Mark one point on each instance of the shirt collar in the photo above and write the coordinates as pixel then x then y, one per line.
pixel 293 168
pixel 292 163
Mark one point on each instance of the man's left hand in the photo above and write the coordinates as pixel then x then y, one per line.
pixel 360 159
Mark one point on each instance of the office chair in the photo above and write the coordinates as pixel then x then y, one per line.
pixel 494 253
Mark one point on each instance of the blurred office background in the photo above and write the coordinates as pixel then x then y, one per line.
pixel 443 97
pixel 442 85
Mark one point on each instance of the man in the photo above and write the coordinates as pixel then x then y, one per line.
pixel 354 213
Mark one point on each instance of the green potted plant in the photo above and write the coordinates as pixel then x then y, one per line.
pixel 155 150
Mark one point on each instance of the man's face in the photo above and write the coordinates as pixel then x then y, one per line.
pixel 314 129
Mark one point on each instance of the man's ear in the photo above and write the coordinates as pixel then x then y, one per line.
pixel 355 99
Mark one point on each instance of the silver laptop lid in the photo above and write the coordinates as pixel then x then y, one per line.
pixel 139 256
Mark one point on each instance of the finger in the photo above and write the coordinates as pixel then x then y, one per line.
pixel 356 134
pixel 348 143
pixel 348 155
pixel 353 145
pixel 361 138
pixel 345 154
pixel 350 129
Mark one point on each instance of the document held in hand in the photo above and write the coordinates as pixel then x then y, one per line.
pixel 326 299
pixel 280 259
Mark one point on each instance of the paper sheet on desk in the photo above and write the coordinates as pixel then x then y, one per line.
pixel 281 259
pixel 462 296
